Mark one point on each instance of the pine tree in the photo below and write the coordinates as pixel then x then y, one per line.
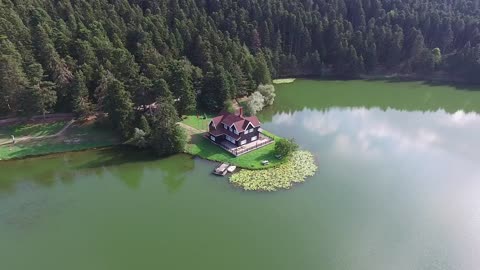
pixel 199 53
pixel 216 89
pixel 118 106
pixel 357 14
pixel 34 72
pixel 12 76
pixel 241 82
pixel 161 91
pixel 44 97
pixel 394 49
pixel 261 73
pixel 256 43
pixel 166 136
pixel 371 57
pixel 82 106
pixel 180 83
pixel 140 87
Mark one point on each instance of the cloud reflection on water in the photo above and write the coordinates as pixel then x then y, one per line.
pixel 378 132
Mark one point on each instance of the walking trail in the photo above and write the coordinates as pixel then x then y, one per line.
pixel 189 129
pixel 25 139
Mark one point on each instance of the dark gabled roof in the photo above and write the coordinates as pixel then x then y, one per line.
pixel 254 120
pixel 239 121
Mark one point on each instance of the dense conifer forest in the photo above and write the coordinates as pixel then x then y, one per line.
pixel 117 56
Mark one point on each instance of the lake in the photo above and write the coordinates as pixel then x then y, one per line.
pixel 398 187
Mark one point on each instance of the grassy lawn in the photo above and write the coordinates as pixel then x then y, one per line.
pixel 198 123
pixel 77 137
pixel 33 130
pixel 202 147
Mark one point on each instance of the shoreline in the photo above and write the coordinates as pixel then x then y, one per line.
pixel 434 79
pixel 281 80
pixel 59 153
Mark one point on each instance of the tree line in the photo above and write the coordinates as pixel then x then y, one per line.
pixel 118 56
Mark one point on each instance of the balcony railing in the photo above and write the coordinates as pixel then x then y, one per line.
pixel 241 150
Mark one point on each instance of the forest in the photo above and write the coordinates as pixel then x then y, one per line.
pixel 120 56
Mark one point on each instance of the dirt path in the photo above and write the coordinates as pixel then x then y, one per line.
pixel 25 139
pixel 189 129
pixel 236 102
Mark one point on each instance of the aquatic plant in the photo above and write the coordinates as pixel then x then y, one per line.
pixel 300 166
pixel 281 81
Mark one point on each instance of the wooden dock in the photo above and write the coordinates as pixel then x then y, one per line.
pixel 221 170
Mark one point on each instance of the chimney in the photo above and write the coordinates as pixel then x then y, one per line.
pixel 240 112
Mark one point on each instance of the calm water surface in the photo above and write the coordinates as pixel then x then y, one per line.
pixel 398 188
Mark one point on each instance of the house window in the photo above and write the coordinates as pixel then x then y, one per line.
pixel 230 139
pixel 254 138
pixel 235 131
pixel 243 142
pixel 251 130
pixel 212 138
pixel 225 126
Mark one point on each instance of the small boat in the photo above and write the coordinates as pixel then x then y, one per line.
pixel 265 162
pixel 231 169
pixel 221 170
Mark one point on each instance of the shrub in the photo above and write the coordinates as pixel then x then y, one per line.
pixel 228 106
pixel 144 125
pixel 285 147
pixel 138 139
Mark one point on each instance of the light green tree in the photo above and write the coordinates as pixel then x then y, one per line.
pixel 268 93
pixel 255 103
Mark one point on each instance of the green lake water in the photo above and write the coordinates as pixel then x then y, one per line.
pixel 398 187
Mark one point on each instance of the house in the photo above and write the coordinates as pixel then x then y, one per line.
pixel 234 128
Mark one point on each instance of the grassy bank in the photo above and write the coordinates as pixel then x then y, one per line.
pixel 77 137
